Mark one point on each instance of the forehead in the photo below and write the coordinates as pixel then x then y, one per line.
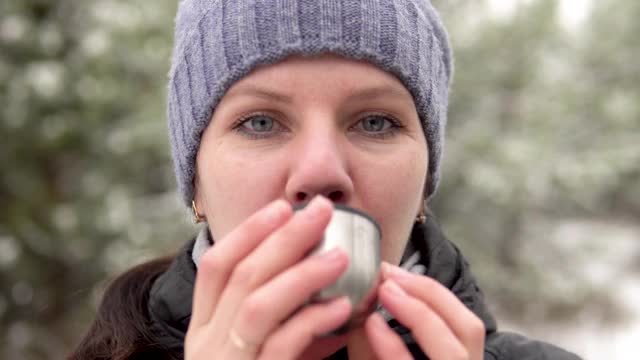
pixel 325 72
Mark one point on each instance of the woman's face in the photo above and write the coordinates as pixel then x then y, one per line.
pixel 306 126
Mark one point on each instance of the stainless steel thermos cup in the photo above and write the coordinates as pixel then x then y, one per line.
pixel 358 234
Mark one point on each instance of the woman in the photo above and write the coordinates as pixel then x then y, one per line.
pixel 274 103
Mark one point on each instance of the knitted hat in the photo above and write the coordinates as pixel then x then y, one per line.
pixel 217 42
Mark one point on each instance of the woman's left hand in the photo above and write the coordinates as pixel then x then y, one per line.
pixel 443 327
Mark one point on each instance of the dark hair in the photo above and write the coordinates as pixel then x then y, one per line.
pixel 121 328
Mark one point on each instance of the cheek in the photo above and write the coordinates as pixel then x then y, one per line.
pixel 234 186
pixel 392 191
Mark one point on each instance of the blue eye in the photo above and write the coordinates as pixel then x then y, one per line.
pixel 376 124
pixel 259 124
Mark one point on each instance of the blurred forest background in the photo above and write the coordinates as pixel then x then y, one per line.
pixel 541 182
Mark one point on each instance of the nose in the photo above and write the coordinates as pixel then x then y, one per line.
pixel 319 166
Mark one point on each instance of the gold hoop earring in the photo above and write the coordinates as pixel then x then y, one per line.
pixel 197 217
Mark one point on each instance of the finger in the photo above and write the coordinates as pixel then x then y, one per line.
pixel 279 251
pixel 267 307
pixel 217 263
pixel 463 322
pixel 286 246
pixel 386 344
pixel 294 336
pixel 430 330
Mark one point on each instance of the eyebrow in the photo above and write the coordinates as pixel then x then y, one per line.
pixel 262 93
pixel 377 92
pixel 371 93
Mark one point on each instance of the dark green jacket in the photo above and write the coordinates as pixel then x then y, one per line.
pixel 170 301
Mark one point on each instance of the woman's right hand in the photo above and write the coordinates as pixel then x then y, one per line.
pixel 251 284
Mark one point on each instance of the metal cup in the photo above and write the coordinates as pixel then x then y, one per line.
pixel 357 234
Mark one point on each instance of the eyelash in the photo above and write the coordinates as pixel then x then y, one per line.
pixel 393 129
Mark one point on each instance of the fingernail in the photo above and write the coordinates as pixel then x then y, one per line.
pixel 332 256
pixel 392 271
pixel 276 210
pixel 394 289
pixel 340 303
pixel 314 208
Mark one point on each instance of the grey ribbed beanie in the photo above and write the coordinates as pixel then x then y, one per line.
pixel 217 42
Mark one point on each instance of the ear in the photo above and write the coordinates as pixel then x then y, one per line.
pixel 196 190
pixel 197 203
pixel 423 208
